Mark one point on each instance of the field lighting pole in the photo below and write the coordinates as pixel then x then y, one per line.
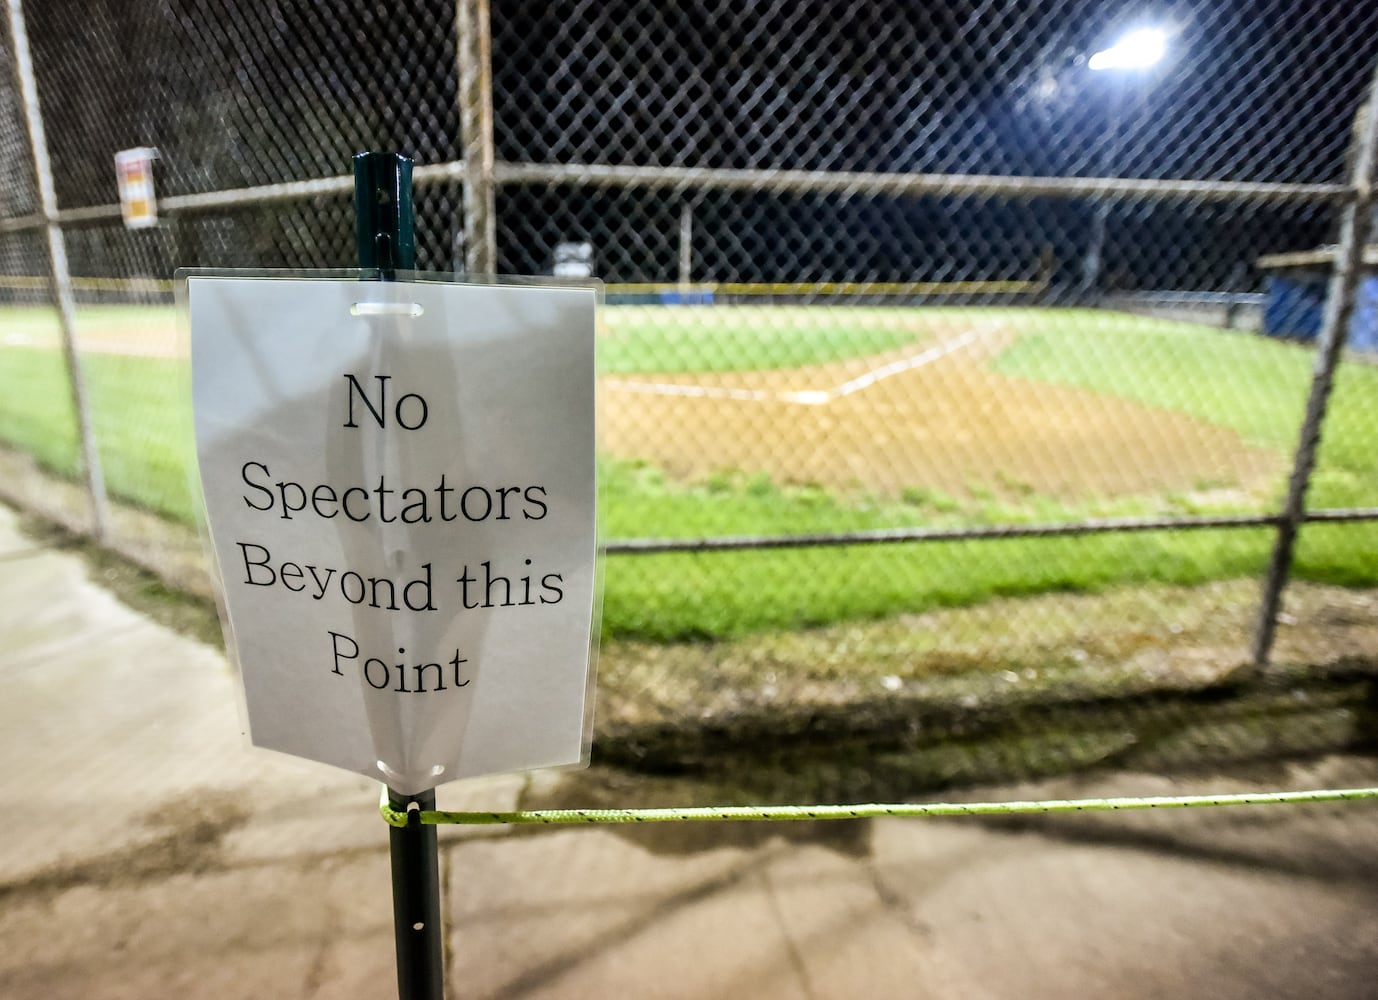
pixel 1137 50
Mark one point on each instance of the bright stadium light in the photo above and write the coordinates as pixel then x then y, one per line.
pixel 1139 49
pixel 1136 50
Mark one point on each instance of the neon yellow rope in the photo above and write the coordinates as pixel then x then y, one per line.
pixel 776 814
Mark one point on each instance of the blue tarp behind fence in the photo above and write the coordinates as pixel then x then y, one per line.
pixel 1296 303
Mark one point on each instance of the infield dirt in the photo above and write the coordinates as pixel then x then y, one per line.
pixel 941 420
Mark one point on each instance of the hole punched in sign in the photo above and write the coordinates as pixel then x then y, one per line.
pixel 412 309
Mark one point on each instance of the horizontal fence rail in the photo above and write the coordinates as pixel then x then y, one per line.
pixel 941 185
pixel 888 536
pixel 709 179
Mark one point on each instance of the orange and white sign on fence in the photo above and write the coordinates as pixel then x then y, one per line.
pixel 138 203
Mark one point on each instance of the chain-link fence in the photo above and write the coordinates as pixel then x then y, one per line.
pixel 909 309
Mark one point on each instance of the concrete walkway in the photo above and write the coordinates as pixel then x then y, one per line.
pixel 146 851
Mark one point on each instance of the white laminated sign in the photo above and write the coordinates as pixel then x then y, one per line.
pixel 400 492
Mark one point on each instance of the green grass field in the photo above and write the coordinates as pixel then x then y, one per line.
pixel 1244 383
pixel 1251 385
pixel 745 338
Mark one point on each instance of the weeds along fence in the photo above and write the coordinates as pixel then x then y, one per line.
pixel 907 309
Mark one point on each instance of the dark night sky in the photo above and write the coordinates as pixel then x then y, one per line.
pixel 1256 89
pixel 253 93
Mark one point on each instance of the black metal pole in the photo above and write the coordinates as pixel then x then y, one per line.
pixel 386 242
pixel 416 900
pixel 384 226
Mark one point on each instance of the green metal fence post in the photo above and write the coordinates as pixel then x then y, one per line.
pixel 386 242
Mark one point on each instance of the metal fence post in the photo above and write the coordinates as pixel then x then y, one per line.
pixel 59 275
pixel 1355 225
pixel 385 239
pixel 475 50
